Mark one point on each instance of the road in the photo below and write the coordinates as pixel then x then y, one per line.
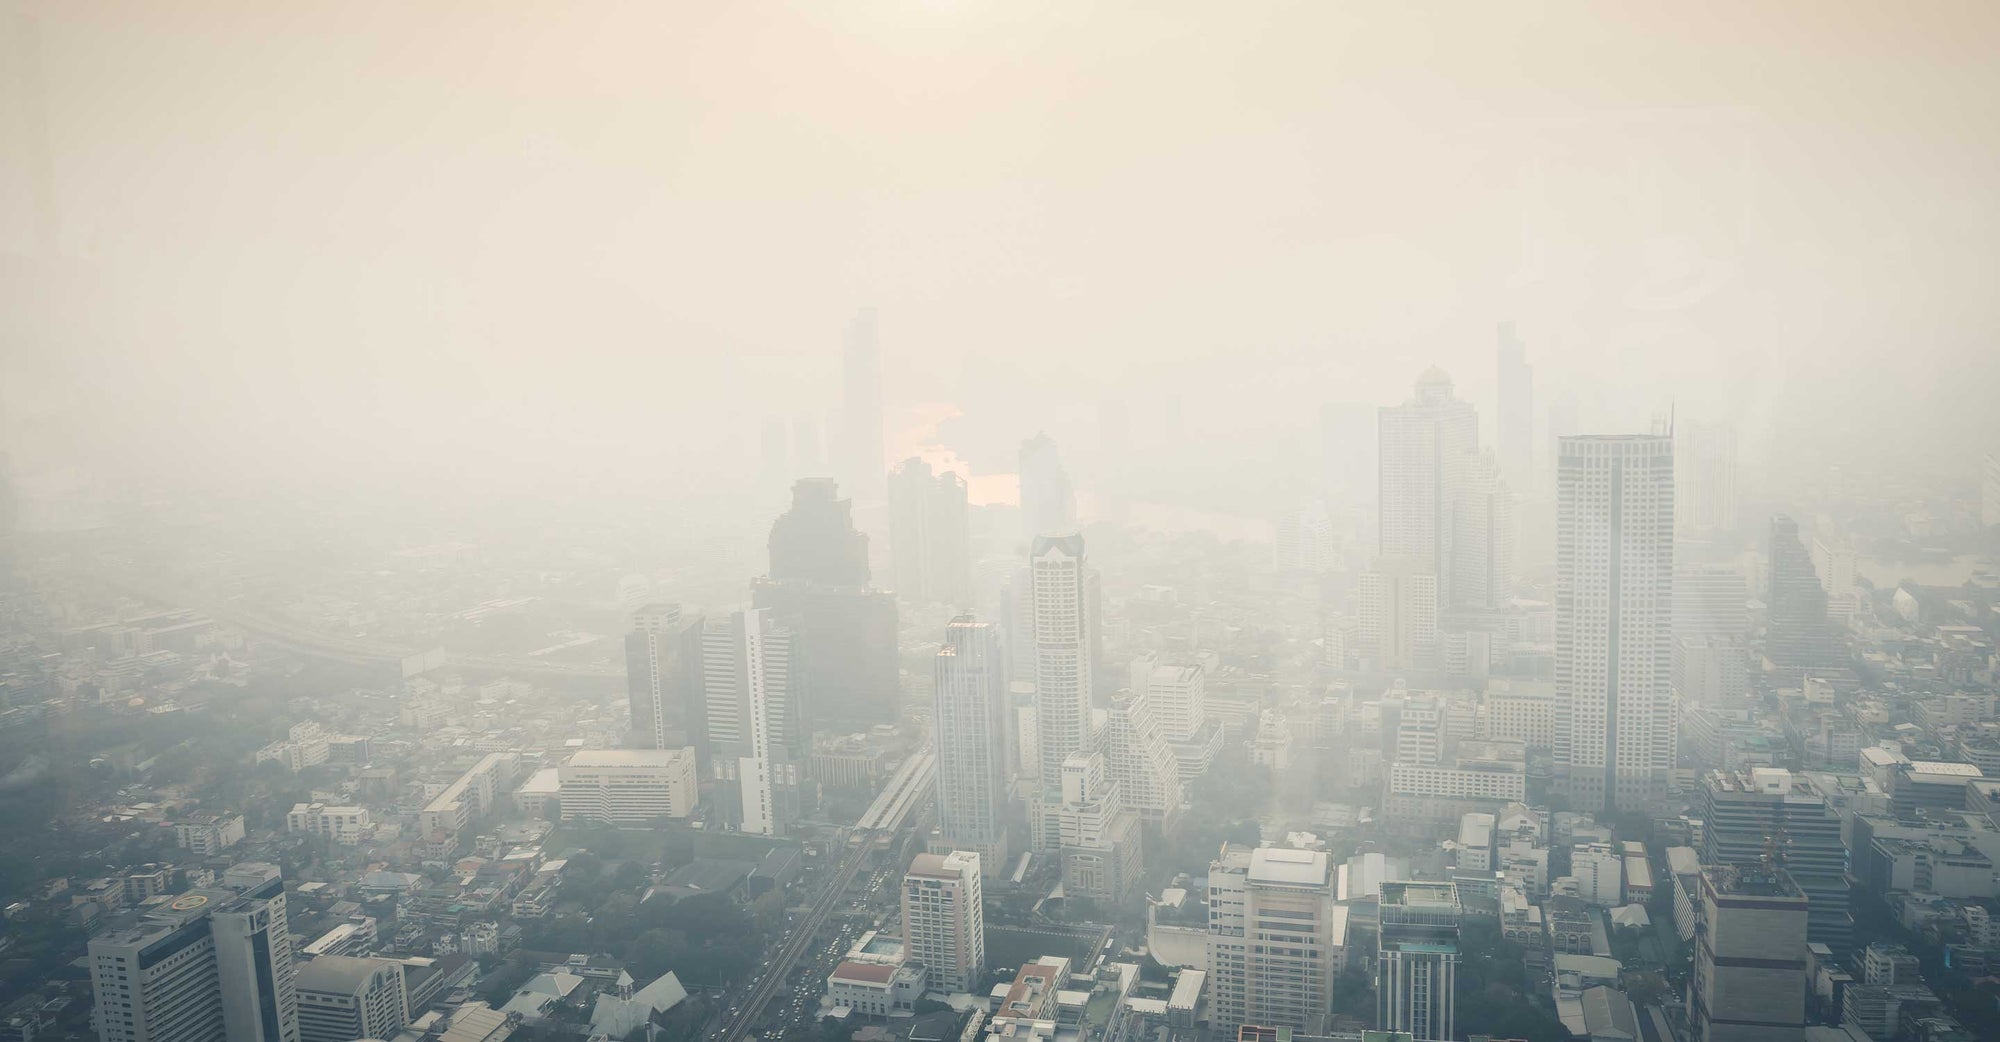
pixel 800 940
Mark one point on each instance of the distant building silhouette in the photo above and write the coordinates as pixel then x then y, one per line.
pixel 816 539
pixel 1048 502
pixel 818 590
pixel 929 536
pixel 1797 635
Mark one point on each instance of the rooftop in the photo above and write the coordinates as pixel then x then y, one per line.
pixel 1284 867
pixel 626 757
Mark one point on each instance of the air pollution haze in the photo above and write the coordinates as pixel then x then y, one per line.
pixel 468 244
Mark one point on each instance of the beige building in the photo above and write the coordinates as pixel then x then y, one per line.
pixel 628 787
pixel 944 924
pixel 1276 939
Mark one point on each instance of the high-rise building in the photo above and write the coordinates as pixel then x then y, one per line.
pixel 214 963
pixel 1097 834
pixel 1516 420
pixel 754 723
pixel 342 998
pixel 844 631
pixel 1749 982
pixel 1139 759
pixel 929 538
pixel 1396 612
pixel 1797 635
pixel 1705 477
pixel 1427 446
pixel 1483 538
pixel 969 715
pixel 1614 743
pixel 1060 606
pixel 944 923
pixel 1177 694
pixel 861 455
pixel 1416 965
pixel 1276 940
pixel 1710 600
pixel 816 540
pixel 662 675
pixel 1770 816
pixel 1048 502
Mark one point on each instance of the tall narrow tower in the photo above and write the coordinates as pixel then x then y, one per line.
pixel 968 711
pixel 1428 447
pixel 1614 742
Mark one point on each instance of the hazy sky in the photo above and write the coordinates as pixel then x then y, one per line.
pixel 464 241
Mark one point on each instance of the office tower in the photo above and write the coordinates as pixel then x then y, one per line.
pixel 929 537
pixel 1516 419
pixel 1396 608
pixel 1139 759
pixel 1797 636
pixel 754 722
pixel 1749 982
pixel 816 540
pixel 1614 743
pixel 342 998
pixel 1427 445
pixel 1048 503
pixel 861 454
pixel 1062 630
pixel 944 924
pixel 662 676
pixel 1276 940
pixel 1417 964
pixel 1769 816
pixel 213 963
pixel 1177 695
pixel 1833 561
pixel 969 717
pixel 1989 491
pixel 1483 538
pixel 1705 478
pixel 1097 834
pixel 1419 736
pixel 844 631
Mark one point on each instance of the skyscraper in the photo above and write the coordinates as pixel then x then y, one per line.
pixel 944 924
pixel 1483 538
pixel 1396 607
pixel 213 963
pixel 861 455
pixel 1048 502
pixel 1062 652
pixel 816 540
pixel 1614 743
pixel 929 538
pixel 662 676
pixel 1416 966
pixel 1749 982
pixel 1768 816
pixel 1797 636
pixel 1427 446
pixel 1517 410
pixel 1276 940
pixel 844 630
pixel 1139 759
pixel 969 714
pixel 754 722
pixel 1705 477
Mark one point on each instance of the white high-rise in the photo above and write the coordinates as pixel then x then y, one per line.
pixel 754 723
pixel 1048 501
pixel 944 922
pixel 1276 940
pixel 1428 446
pixel 968 711
pixel 1062 652
pixel 1396 604
pixel 213 963
pixel 1614 742
pixel 1139 759
pixel 1177 694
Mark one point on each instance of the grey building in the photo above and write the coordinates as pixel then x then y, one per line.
pixel 343 998
pixel 1749 981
